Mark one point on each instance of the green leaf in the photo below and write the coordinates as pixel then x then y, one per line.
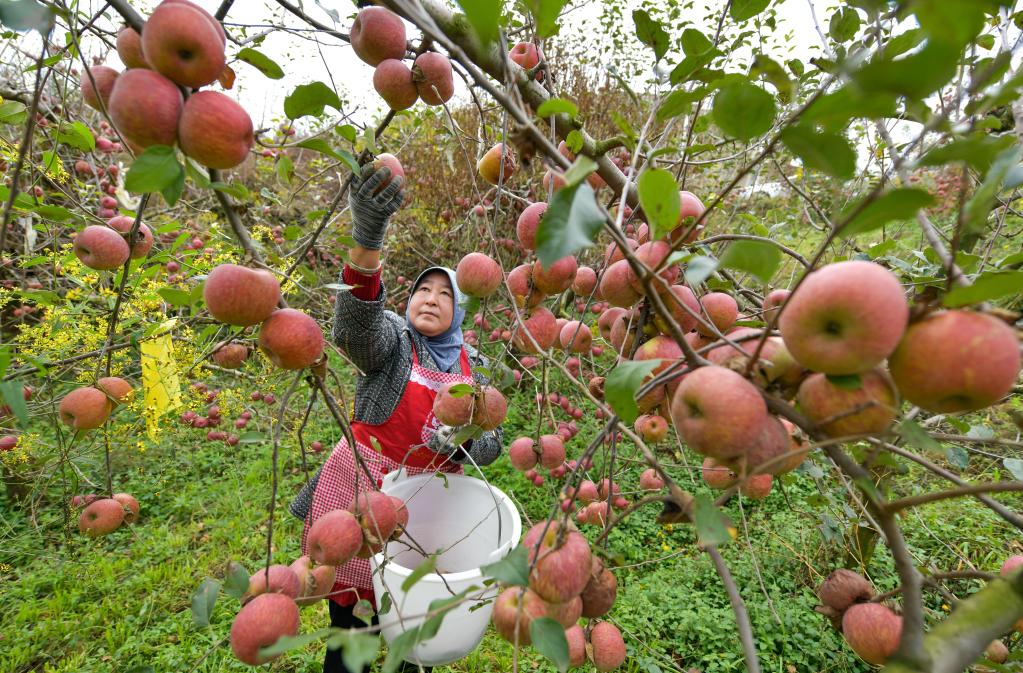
pixel 154 170
pixel 288 643
pixel 679 102
pixel 512 570
pixel 574 140
pixel 835 109
pixel 711 525
pixel 570 223
pixel 953 21
pixel 77 135
pixel 987 286
pixel 699 268
pixel 917 437
pixel 553 106
pixel 845 381
pixel 844 24
pixel 172 192
pixel 747 9
pixel 822 150
pixel 743 110
pixel 237 581
pixel 175 297
pixel 284 168
pixel 323 147
pixel 651 33
pixel 398 648
pixel 621 386
pixel 310 99
pixel 545 13
pixel 261 62
pixel 659 198
pixel 12 112
pixel 957 456
pixel 428 565
pixel 358 650
pixel 916 76
pixel 235 189
pixel 766 67
pixel 1015 467
pixel 51 162
pixel 483 16
pixel 203 600
pixel 579 170
pixel 5 359
pixel 14 397
pixel 691 65
pixel 757 258
pixel 979 151
pixel 897 204
pixel 983 200
pixel 694 42
pixel 549 640
pixel 460 390
pixel 27 15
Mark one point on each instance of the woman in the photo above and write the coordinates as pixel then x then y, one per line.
pixel 403 362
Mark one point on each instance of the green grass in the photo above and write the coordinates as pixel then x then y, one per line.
pixel 73 604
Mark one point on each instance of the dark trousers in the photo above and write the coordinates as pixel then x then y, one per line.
pixel 341 617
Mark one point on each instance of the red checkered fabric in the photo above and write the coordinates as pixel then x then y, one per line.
pixel 342 477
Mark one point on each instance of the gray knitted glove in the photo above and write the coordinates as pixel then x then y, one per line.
pixel 371 212
pixel 439 441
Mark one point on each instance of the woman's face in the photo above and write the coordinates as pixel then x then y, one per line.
pixel 432 305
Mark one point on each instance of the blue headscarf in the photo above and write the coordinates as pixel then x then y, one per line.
pixel 444 347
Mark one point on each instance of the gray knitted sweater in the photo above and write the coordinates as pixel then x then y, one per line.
pixel 377 341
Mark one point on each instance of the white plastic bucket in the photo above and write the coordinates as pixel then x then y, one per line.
pixel 461 515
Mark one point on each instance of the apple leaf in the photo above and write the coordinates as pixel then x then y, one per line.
pixel 845 381
pixel 27 15
pixel 427 566
pixel 986 287
pixel 957 455
pixel 553 106
pixel 844 24
pixel 287 643
pixel 621 386
pixel 156 169
pixel 651 33
pixel 579 170
pixel 237 581
pixel 699 268
pixel 323 147
pixel 512 570
pixel 358 650
pixel 1015 467
pixel 741 10
pixel 743 110
pixel 570 223
pixel 483 15
pixel 14 397
pixel 659 197
pixel 825 151
pixel 12 112
pixel 758 258
pixel 203 600
pixel 916 436
pixel 310 99
pixel 549 640
pixel 460 390
pixel 546 13
pixel 261 62
pixel 897 204
pixel 77 135
pixel 712 527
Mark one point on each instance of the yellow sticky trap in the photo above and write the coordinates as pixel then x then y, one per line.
pixel 159 381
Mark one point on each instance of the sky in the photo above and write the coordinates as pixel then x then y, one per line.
pixel 333 61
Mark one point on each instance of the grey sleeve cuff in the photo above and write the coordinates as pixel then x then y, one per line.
pixel 303 502
pixel 363 330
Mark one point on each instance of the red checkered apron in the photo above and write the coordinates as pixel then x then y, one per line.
pixel 401 440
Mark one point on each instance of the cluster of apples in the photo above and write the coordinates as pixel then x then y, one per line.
pixel 378 38
pixel 270 606
pixel 567 582
pixel 241 296
pixel 458 404
pixel 89 407
pixel 102 516
pixel 181 45
pixel 104 248
pixel 870 628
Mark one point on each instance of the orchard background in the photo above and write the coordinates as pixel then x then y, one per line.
pixel 873 131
